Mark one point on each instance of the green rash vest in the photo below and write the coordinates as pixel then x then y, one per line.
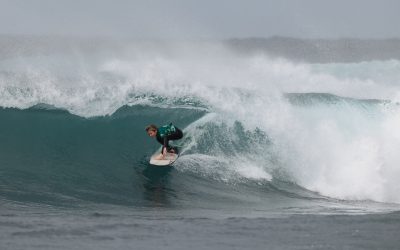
pixel 163 132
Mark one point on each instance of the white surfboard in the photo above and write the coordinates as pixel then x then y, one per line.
pixel 166 161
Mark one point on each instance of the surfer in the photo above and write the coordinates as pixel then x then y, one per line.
pixel 163 135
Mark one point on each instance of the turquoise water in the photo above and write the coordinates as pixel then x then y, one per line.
pixel 67 179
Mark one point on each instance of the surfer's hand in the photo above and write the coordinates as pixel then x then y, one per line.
pixel 164 152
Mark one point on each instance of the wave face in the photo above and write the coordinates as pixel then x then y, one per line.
pixel 256 130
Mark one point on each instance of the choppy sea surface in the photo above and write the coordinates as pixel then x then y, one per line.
pixel 277 154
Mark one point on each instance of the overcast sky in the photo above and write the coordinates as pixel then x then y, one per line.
pixel 189 19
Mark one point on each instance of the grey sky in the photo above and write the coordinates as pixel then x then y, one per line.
pixel 203 18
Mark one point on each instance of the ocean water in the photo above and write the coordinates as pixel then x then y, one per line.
pixel 276 154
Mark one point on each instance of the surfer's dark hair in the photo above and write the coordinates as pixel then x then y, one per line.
pixel 151 127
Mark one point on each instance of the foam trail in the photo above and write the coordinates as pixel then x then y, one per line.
pixel 342 152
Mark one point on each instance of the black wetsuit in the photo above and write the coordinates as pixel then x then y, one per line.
pixel 167 133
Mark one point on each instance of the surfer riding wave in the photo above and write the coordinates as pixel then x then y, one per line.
pixel 163 135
